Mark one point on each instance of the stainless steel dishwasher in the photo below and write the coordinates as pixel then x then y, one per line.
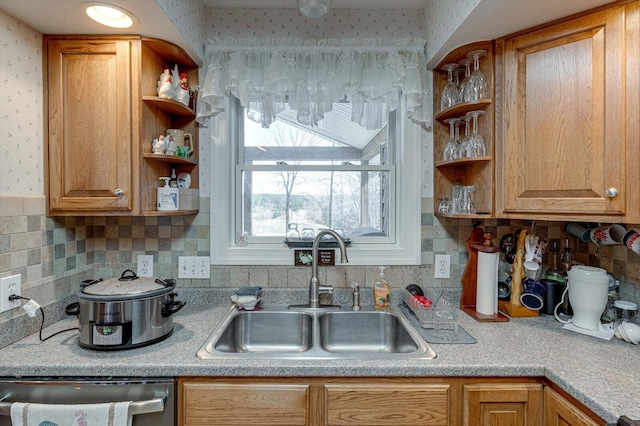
pixel 153 398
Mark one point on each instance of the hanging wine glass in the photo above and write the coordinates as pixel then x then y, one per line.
pixel 466 143
pixel 451 147
pixel 476 88
pixel 466 63
pixel 449 95
pixel 456 125
pixel 478 146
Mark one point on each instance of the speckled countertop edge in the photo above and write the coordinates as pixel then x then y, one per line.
pixel 601 374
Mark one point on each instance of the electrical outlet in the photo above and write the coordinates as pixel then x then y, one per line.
pixel 145 265
pixel 194 267
pixel 443 266
pixel 8 286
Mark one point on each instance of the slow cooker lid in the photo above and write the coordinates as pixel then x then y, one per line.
pixel 129 284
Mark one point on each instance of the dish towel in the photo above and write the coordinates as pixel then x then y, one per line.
pixel 107 414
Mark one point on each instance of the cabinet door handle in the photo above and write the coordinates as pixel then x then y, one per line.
pixel 612 192
pixel 119 192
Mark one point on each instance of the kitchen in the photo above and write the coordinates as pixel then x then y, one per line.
pixel 54 254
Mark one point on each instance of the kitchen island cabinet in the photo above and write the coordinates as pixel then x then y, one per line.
pixel 566 121
pixel 102 113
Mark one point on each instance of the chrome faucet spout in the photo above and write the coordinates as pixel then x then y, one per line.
pixel 315 289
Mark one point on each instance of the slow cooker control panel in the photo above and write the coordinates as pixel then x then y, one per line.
pixel 111 334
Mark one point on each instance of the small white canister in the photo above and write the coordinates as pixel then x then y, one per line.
pixel 168 198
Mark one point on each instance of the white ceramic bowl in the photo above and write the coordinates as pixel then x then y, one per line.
pixel 248 303
pixel 630 331
pixel 249 306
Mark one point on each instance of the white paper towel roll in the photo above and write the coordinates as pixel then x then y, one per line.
pixel 487 284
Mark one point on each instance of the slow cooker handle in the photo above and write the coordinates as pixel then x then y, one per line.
pixel 125 277
pixel 72 309
pixel 172 306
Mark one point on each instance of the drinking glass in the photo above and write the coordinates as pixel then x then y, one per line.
pixel 292 231
pixel 466 143
pixel 446 321
pixel 444 205
pixel 308 234
pixel 451 147
pixel 467 205
pixel 478 146
pixel 466 63
pixel 476 88
pixel 456 198
pixel 449 95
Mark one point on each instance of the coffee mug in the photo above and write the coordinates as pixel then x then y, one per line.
pixel 632 240
pixel 608 235
pixel 533 295
pixel 532 270
pixel 181 138
pixel 579 230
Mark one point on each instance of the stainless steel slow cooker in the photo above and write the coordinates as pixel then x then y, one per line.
pixel 125 312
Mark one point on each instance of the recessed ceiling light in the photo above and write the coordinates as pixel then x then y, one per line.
pixel 109 15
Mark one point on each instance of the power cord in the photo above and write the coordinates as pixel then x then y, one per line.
pixel 31 312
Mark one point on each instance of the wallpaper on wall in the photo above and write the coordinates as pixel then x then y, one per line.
pixel 189 17
pixel 442 19
pixel 21 129
pixel 336 24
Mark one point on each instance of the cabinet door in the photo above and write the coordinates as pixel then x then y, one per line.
pixel 500 404
pixel 563 148
pixel 373 404
pixel 237 404
pixel 90 126
pixel 558 411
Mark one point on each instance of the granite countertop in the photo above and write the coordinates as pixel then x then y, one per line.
pixel 601 374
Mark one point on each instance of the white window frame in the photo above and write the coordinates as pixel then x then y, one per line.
pixel 402 247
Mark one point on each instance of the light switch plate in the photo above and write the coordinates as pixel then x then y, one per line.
pixel 8 286
pixel 194 267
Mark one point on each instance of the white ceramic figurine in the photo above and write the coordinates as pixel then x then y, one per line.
pixel 165 88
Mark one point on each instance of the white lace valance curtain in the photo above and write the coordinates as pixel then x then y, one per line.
pixel 311 75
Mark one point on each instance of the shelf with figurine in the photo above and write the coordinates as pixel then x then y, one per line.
pixel 173 94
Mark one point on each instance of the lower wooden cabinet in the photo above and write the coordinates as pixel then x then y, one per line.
pixel 497 404
pixel 406 401
pixel 395 403
pixel 559 411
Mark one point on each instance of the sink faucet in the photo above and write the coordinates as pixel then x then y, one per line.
pixel 315 289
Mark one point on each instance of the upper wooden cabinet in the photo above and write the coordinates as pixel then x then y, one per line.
pixel 566 134
pixel 102 112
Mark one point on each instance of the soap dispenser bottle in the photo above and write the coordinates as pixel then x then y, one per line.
pixel 381 291
pixel 167 196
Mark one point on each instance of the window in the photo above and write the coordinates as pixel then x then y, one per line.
pixel 333 175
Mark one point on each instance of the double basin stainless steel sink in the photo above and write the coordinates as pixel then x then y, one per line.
pixel 275 332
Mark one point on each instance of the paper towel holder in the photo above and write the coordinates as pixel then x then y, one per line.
pixel 477 241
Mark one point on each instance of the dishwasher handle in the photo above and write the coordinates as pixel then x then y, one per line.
pixel 155 405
